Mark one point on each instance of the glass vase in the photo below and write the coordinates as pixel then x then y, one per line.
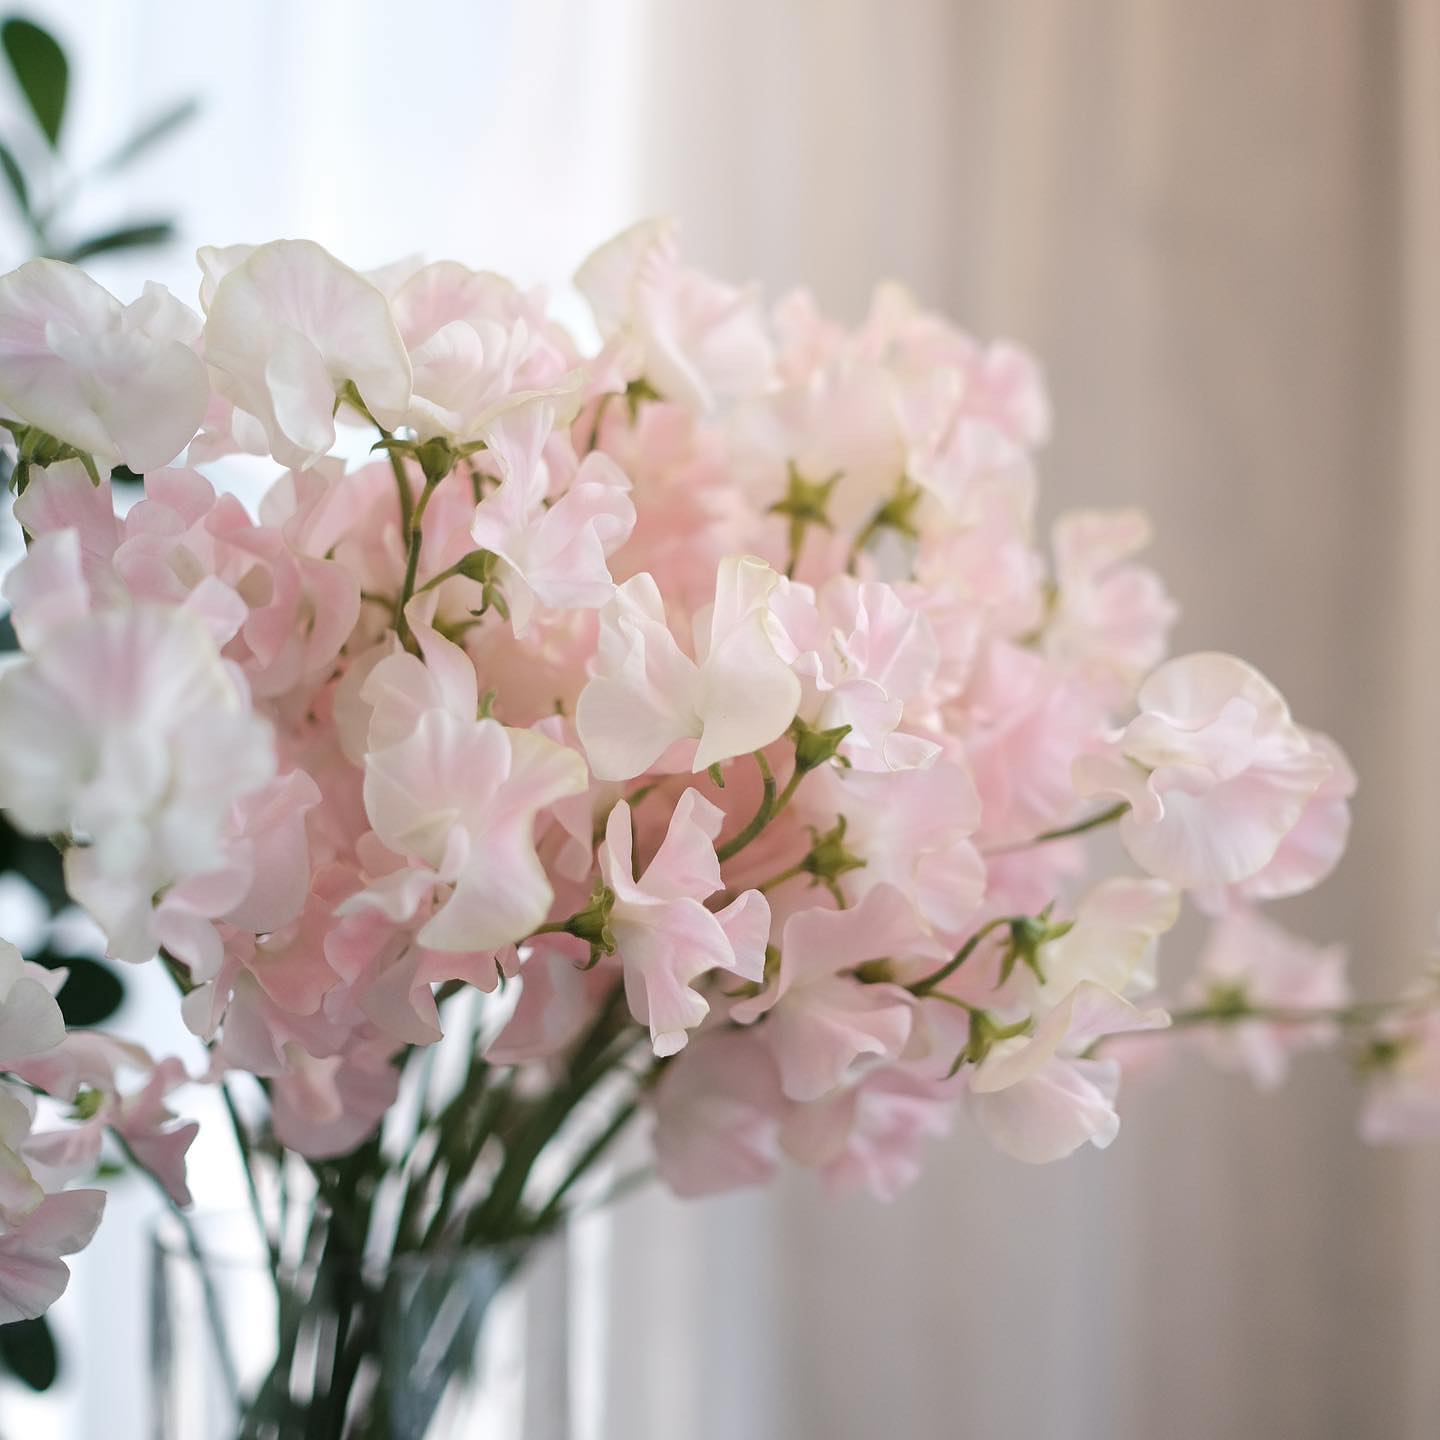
pixel 431 1346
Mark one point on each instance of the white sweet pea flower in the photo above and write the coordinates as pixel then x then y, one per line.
pixel 286 329
pixel 1112 939
pixel 1215 772
pixel 553 550
pixel 862 655
pixel 663 934
pixel 30 1018
pixel 645 694
pixel 701 342
pixel 457 797
pixel 478 347
pixel 126 731
pixel 1037 1098
pixel 120 382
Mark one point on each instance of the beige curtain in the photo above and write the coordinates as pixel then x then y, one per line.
pixel 1218 221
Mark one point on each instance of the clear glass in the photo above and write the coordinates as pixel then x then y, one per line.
pixel 435 1347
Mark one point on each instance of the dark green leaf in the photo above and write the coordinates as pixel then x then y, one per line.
pixel 92 992
pixel 28 1351
pixel 151 134
pixel 128 237
pixel 124 475
pixel 36 860
pixel 16 176
pixel 42 71
pixel 8 640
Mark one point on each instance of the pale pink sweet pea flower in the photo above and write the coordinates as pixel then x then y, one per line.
pixel 120 382
pixel 701 342
pixel 554 548
pixel 30 1018
pixel 127 731
pixel 1112 938
pixel 457 797
pixel 1251 961
pixel 32 1274
pixel 559 996
pixel 646 695
pixel 664 936
pixel 92 1061
pixel 78 563
pixel 1214 770
pixel 63 497
pixel 822 1023
pixel 260 888
pixel 1024 727
pixel 285 330
pixel 718 1112
pixel 863 656
pixel 1310 851
pixel 1402 1086
pixel 1037 1098
pixel 1110 618
pixel 30 1024
pixel 871 1135
pixel 913 830
pixel 1000 384
pixel 478 346
pixel 326 1106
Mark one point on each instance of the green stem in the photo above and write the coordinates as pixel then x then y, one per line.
pixel 1092 822
pixel 592 1059
pixel 928 984
pixel 402 486
pixel 242 1143
pixel 592 1152
pixel 1367 1013
pixel 412 564
pixel 775 881
pixel 770 806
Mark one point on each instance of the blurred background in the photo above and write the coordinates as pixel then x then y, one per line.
pixel 1218 224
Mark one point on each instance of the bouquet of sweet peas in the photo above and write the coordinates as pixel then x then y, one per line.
pixel 692 728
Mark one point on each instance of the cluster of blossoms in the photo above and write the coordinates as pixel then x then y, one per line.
pixel 707 702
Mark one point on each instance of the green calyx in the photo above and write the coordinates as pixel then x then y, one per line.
pixel 1227 1001
pixel 828 859
pixel 806 503
pixel 814 747
pixel 985 1034
pixel 481 566
pixel 436 457
pixel 39 449
pixel 897 513
pixel 88 1103
pixel 592 924
pixel 637 392
pixel 1379 1054
pixel 1028 934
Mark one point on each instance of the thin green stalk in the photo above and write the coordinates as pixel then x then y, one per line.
pixel 1092 822
pixel 771 805
pixel 590 1061
pixel 923 987
pixel 412 564
pixel 591 1153
pixel 1363 1014
pixel 775 881
pixel 402 486
pixel 242 1143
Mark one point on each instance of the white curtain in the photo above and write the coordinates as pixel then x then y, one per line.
pixel 1219 224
